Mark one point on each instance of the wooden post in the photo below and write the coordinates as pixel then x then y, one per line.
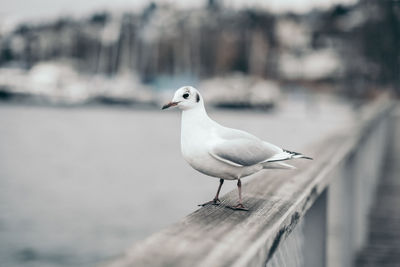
pixel 314 246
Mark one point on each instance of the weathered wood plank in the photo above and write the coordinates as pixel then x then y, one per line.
pixel 217 236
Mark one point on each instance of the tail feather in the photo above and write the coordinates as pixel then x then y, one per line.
pixel 297 155
pixel 305 157
pixel 286 155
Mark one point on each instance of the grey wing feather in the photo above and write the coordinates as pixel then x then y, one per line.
pixel 243 149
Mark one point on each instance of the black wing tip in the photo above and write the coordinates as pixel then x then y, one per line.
pixel 298 154
pixel 292 152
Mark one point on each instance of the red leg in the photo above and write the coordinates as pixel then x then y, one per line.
pixel 239 206
pixel 216 200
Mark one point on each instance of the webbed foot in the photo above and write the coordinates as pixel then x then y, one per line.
pixel 214 202
pixel 239 206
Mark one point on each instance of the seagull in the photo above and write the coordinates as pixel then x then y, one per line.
pixel 222 152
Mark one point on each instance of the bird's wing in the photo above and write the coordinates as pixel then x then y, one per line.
pixel 277 165
pixel 239 149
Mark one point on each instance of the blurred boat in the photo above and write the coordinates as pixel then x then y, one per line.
pixel 238 91
pixel 60 83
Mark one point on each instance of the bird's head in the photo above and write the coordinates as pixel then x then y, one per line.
pixel 186 97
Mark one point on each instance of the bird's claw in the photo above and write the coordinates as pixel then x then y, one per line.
pixel 239 206
pixel 215 202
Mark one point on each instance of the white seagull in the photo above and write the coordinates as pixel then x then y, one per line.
pixel 219 151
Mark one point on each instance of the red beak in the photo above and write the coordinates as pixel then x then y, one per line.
pixel 170 104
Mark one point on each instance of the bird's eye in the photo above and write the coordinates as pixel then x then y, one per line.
pixel 185 95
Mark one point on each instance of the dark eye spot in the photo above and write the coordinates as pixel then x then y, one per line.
pixel 185 95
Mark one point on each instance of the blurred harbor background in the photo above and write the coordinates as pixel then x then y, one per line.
pixel 88 163
pixel 131 57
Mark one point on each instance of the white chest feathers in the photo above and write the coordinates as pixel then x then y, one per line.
pixel 194 135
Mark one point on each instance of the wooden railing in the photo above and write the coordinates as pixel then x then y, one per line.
pixel 316 216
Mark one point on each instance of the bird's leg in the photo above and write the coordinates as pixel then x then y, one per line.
pixel 216 200
pixel 239 206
